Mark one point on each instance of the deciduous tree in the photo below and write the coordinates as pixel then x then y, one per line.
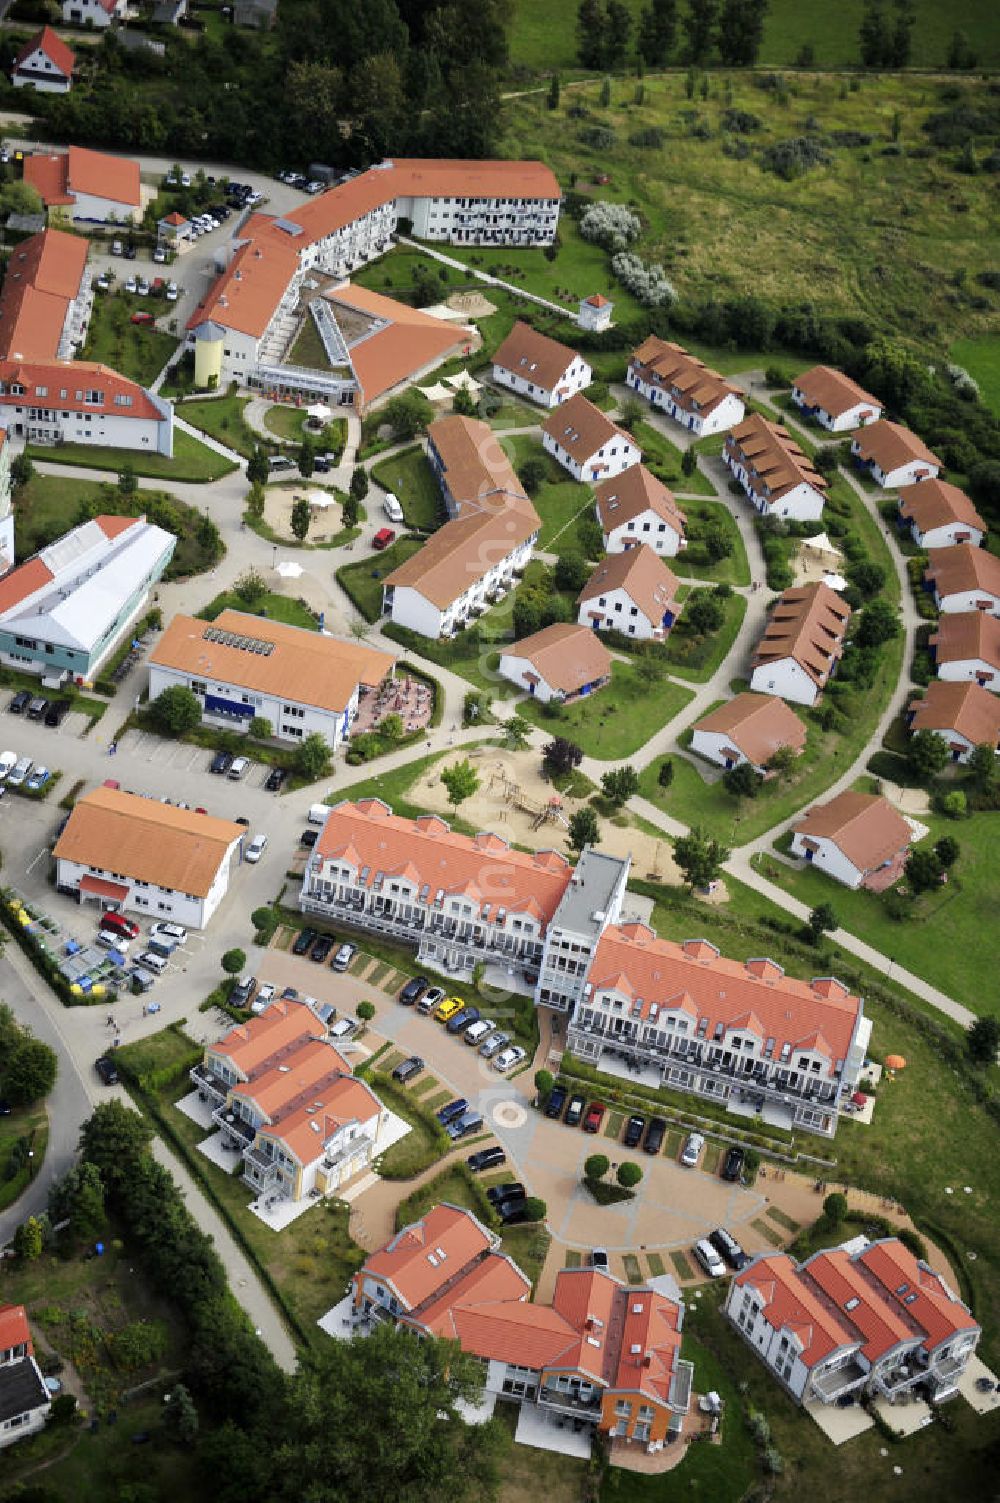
pixel 233 961
pixel 927 755
pixel 983 1040
pixel 175 711
pixel 312 757
pixel 657 32
pixel 301 517
pixel 628 1175
pixel 583 828
pixel 461 781
pixel 700 857
pixel 596 1166
pixel 619 785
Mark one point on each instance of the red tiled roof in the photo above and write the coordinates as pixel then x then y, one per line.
pixel 775 462
pixel 830 389
pixel 14 1327
pixel 23 581
pixel 529 1335
pixel 935 503
pixel 255 1043
pixel 967 636
pixel 310 1063
pixel 100 175
pixel 54 48
pixel 66 381
pixel 866 828
pixel 43 277
pixel 790 1304
pixel 47 175
pixel 102 888
pixel 411 1263
pixel 952 571
pixel 692 384
pixel 693 978
pixel 585 1298
pixel 246 295
pixel 923 1293
pixel 304 1130
pixel 534 356
pixel 174 218
pixel 633 492
pixel 963 707
pixel 649 1345
pixel 845 1283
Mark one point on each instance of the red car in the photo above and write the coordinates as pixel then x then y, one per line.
pixel 143 318
pixel 595 1116
pixel 383 538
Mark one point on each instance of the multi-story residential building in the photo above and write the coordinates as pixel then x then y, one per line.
pixel 834 400
pixel 586 442
pixel 80 402
pixel 966 648
pixel 44 63
pixel 637 508
pixel 750 728
pixel 96 13
pixel 632 592
pixel 963 578
pixel 562 662
pixel 63 612
pixel 745 1035
pixel 939 515
pixel 6 513
pixel 91 186
pixel 680 385
pixel 867 1319
pixel 802 644
pixel 590 904
pixel 475 558
pixel 893 456
pixel 242 667
pixel 964 715
pixel 856 838
pixel 125 852
pixel 778 478
pixel 600 1354
pixel 46 299
pixel 539 368
pixel 24 1399
pixel 461 899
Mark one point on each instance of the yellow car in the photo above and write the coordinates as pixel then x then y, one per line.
pixel 448 1008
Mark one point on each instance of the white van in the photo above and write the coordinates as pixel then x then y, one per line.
pixel 478 1032
pixel 150 962
pixel 709 1259
pixel 392 508
pixel 7 761
pixel 317 814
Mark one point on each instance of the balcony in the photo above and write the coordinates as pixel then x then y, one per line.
pixel 233 1125
pixel 202 1079
pixel 259 1171
pixel 829 1385
pixel 571 1403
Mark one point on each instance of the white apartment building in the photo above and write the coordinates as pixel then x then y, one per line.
pixel 586 442
pixel 96 13
pixel 684 388
pixel 835 401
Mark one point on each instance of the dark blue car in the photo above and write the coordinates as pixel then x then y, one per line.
pixel 453 1109
pixel 463 1020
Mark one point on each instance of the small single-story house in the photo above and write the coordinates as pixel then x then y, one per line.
pixel 560 662
pixel 636 508
pixel 964 715
pixel 834 400
pixel 539 368
pixel 778 478
pixel 173 229
pixel 893 456
pixel 24 1399
pixel 682 386
pixel 96 13
pixel 586 442
pixel 126 852
pixel 856 838
pixel 595 313
pixel 966 648
pixel 749 728
pixel 963 578
pixel 802 644
pixel 632 592
pixel 939 515
pixel 45 63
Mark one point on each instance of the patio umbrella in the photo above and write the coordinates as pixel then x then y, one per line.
pixel 895 1062
pixel 320 412
pixel 289 570
pixel 859 1099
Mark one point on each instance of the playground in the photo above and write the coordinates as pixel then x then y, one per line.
pixel 515 801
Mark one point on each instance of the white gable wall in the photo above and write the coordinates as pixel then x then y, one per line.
pixel 646 528
pixel 947 536
pixel 574 378
pixel 786 678
pixel 828 858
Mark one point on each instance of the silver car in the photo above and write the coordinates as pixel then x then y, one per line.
pixel 692 1150
pixel 494 1044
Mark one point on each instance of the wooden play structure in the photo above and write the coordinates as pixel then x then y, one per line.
pixel 513 795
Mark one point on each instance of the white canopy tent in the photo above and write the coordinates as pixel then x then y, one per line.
pixel 821 544
pixel 289 570
pixel 319 412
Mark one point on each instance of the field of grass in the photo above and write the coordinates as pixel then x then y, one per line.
pixel 192 461
pixel 619 719
pixel 24 1130
pixel 543 37
pixel 222 419
pixel 137 350
pixel 697 658
pixel 734 569
pixel 658 451
pixel 363 581
pixel 409 477
pixel 308 348
pixel 274 607
pixel 723 226
pixel 560 501
pixel 981 358
pixel 942 942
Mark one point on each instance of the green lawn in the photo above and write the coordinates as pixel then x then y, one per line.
pixel 222 419
pixel 514 414
pixel 981 358
pixel 408 475
pixel 734 568
pixel 696 658
pixel 943 941
pixel 287 422
pixel 24 1131
pixel 664 458
pixel 560 501
pixel 363 581
pixel 308 349
pixel 616 721
pixel 136 350
pixel 274 607
pixel 192 461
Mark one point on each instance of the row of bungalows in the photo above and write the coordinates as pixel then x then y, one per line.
pixel 962 705
pixel 682 387
pixel 777 477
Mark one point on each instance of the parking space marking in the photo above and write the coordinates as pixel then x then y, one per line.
pixel 35 860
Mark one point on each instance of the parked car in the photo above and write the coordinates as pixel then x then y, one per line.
pixel 130 284
pixel 343 1028
pixel 121 924
pixel 304 941
pixel 497 1194
pixel 513 1212
pixel 107 1069
pixel 383 538
pixel 20 702
pixel 461 1127
pixel 276 779
pixel 574 1112
pixel 37 779
pixel 308 838
pixel 289 994
pixel 278 463
pixel 486 1158
pixel 430 999
pixel 727 1246
pixel 57 711
pixel 595 1116
pixel 265 996
pixel 452 1109
pixel 392 508
pixel 655 1134
pixel 239 768
pixel 413 991
pixel 508 1058
pixel 556 1101
pixel 255 849
pixel 599 1258
pixel 169 931
pixel 109 940
pixel 447 1009
pixel 494 1044
pixel 321 948
pixel 408 1068
pixel 241 992
pixel 692 1149
pixel 221 762
pixel 142 317
pixel 709 1259
pixel 7 761
pixel 463 1020
pixel 37 707
pixel 152 962
pixel 732 1164
pixel 19 772
pixel 633 1131
pixel 343 957
pixel 474 1035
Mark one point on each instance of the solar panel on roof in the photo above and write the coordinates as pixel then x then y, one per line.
pixel 259 645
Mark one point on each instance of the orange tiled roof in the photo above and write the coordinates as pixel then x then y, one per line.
pixel 66 381
pixel 634 491
pixel 14 1327
pixel 534 356
pixel 858 1298
pixel 43 277
pixel 923 1293
pixel 254 1044
pixel 650 1344
pixel 757 724
pixel 411 1261
pixel 100 175
pixel 580 428
pixel 54 48
pixel 304 1130
pixel 965 708
pixel 807 624
pixel 825 387
pixel 565 656
pixel 866 828
pixel 47 175
pixel 475 466
pixel 529 1335
pixel 246 296
pixel 692 384
pixel 890 445
pixel 791 1304
pixel 644 577
pixel 954 570
pixel 312 1062
pixel 694 978
pixel 935 503
pixel 34 574
pixel 775 461
pixel 966 636
pixel 409 341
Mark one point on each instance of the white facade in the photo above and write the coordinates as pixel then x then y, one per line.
pixel 970 670
pixel 98 210
pixel 617 454
pixel 617 611
pixel 74 424
pixel 482 221
pixel 91 13
pixel 38 71
pixel 910 473
pixel 714 746
pixel 146 899
pixel 949 535
pixel 291 720
pixel 968 600
pixel 861 415
pixel 649 528
pixel 595 316
pixel 723 416
pixel 800 503
pixel 408 606
pixel 960 748
pixel 516 670
pixel 787 679
pixel 828 858
pixel 574 378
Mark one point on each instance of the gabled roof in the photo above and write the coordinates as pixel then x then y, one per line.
pixel 534 356
pixel 465 549
pixel 693 385
pixel 757 725
pixel 791 1304
pixel 44 274
pixel 927 1299
pixel 565 656
pixel 807 624
pixel 426 1255
pixel 642 574
pixel 774 460
pixel 405 342
pixel 967 709
pixel 864 827
pixel 475 467
pixel 47 175
pixel 246 295
pixel 967 636
pixel 827 388
pixel 510 1330
pixel 936 503
pixel 580 428
pixel 952 571
pixel 304 1129
pixel 53 46
pixel 58 384
pixel 101 175
pixel 303 1069
pixel 252 1046
pixel 890 445
pixel 631 494
pixel 14 1329
pixel 858 1299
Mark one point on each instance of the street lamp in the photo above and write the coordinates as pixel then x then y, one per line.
pixel 274 555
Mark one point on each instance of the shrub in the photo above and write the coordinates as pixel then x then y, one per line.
pixel 647 283
pixel 651 136
pixel 790 159
pixel 612 225
pixel 599 137
pixel 740 122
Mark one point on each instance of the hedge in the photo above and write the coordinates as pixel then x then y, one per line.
pixel 45 964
